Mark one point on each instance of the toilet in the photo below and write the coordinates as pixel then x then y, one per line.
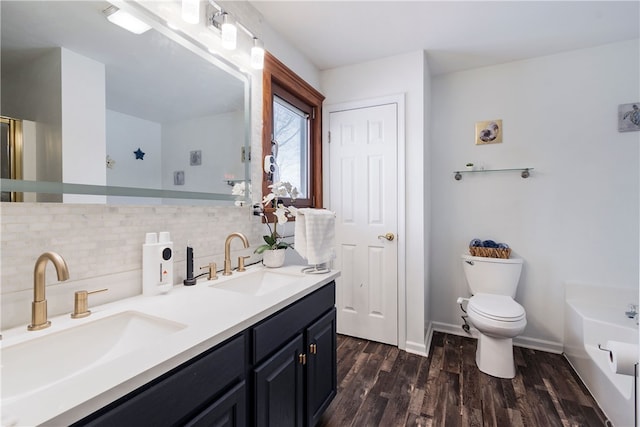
pixel 493 311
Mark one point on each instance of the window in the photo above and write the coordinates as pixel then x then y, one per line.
pixel 290 144
pixel 292 132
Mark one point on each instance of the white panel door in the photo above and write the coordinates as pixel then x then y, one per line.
pixel 363 182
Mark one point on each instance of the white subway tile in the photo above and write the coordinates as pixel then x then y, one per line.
pixel 99 242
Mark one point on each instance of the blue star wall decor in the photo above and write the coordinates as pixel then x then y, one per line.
pixel 139 154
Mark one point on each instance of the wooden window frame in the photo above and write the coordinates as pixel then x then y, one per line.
pixel 275 73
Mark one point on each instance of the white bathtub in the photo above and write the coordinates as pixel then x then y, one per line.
pixel 594 315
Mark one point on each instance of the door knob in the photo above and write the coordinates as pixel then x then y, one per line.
pixel 388 236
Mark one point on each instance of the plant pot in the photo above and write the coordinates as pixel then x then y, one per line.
pixel 273 258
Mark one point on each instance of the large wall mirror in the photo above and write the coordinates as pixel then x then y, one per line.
pixel 113 111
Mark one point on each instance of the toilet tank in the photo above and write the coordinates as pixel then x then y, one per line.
pixel 492 275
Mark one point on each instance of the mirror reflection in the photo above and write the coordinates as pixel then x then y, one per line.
pixel 100 105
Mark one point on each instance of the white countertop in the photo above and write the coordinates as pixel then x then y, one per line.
pixel 210 316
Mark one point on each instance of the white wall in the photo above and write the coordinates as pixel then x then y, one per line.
pixel 218 138
pixel 576 217
pixel 69 107
pixel 29 163
pixel 403 74
pixel 291 57
pixel 83 124
pixel 42 105
pixel 125 134
pixel 426 201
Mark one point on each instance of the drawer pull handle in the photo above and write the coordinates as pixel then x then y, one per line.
pixel 313 349
pixel 302 359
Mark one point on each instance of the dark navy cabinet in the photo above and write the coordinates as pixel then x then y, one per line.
pixel 280 372
pixel 228 411
pixel 184 394
pixel 294 354
pixel 321 366
pixel 279 389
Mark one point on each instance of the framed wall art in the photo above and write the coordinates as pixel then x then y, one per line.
pixel 178 178
pixel 489 132
pixel 629 117
pixel 195 158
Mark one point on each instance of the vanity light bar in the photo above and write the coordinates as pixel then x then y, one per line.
pixel 257 54
pixel 125 20
pixel 191 11
pixel 229 32
pixel 227 26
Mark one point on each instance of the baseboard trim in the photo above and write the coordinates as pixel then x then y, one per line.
pixel 428 338
pixel 416 348
pixel 449 328
pixel 521 341
pixel 538 344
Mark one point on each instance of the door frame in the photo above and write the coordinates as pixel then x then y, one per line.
pixel 399 100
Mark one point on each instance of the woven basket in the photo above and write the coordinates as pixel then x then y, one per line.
pixel 490 252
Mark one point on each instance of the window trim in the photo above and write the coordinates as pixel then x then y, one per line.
pixel 275 73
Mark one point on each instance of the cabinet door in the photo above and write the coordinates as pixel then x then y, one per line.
pixel 321 366
pixel 228 411
pixel 279 387
pixel 272 333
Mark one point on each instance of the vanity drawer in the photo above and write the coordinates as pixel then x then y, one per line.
pixel 183 392
pixel 273 332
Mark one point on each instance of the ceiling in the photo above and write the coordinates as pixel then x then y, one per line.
pixel 456 35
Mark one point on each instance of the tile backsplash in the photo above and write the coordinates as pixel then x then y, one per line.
pixel 102 246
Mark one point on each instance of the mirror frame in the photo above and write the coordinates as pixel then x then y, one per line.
pixel 197 48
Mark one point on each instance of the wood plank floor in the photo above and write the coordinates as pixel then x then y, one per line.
pixel 379 385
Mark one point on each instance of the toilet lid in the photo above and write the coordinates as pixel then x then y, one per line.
pixel 497 307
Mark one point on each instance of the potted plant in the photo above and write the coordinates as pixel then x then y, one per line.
pixel 273 250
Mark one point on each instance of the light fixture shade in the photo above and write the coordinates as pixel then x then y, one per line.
pixel 191 11
pixel 257 54
pixel 126 20
pixel 229 32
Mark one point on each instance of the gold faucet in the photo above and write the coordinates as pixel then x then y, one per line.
pixel 227 251
pixel 39 304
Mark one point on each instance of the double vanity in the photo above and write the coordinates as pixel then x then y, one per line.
pixel 254 348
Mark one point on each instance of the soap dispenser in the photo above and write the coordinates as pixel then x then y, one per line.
pixel 157 264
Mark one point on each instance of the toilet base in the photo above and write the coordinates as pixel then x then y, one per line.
pixel 494 356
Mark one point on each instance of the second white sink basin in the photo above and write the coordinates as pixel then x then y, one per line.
pixel 259 282
pixel 40 362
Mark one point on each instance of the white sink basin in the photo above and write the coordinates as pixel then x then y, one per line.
pixel 43 361
pixel 259 282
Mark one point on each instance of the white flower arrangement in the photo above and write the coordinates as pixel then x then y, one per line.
pixel 282 213
pixel 241 189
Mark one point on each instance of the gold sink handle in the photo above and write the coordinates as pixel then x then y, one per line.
pixel 213 271
pixel 241 266
pixel 81 303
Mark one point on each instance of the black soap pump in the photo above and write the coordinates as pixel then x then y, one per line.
pixel 190 280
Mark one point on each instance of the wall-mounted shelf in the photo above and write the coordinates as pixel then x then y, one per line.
pixel 524 172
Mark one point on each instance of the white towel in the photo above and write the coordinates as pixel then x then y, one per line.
pixel 315 235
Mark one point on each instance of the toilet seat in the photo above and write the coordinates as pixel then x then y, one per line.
pixel 496 316
pixel 496 307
